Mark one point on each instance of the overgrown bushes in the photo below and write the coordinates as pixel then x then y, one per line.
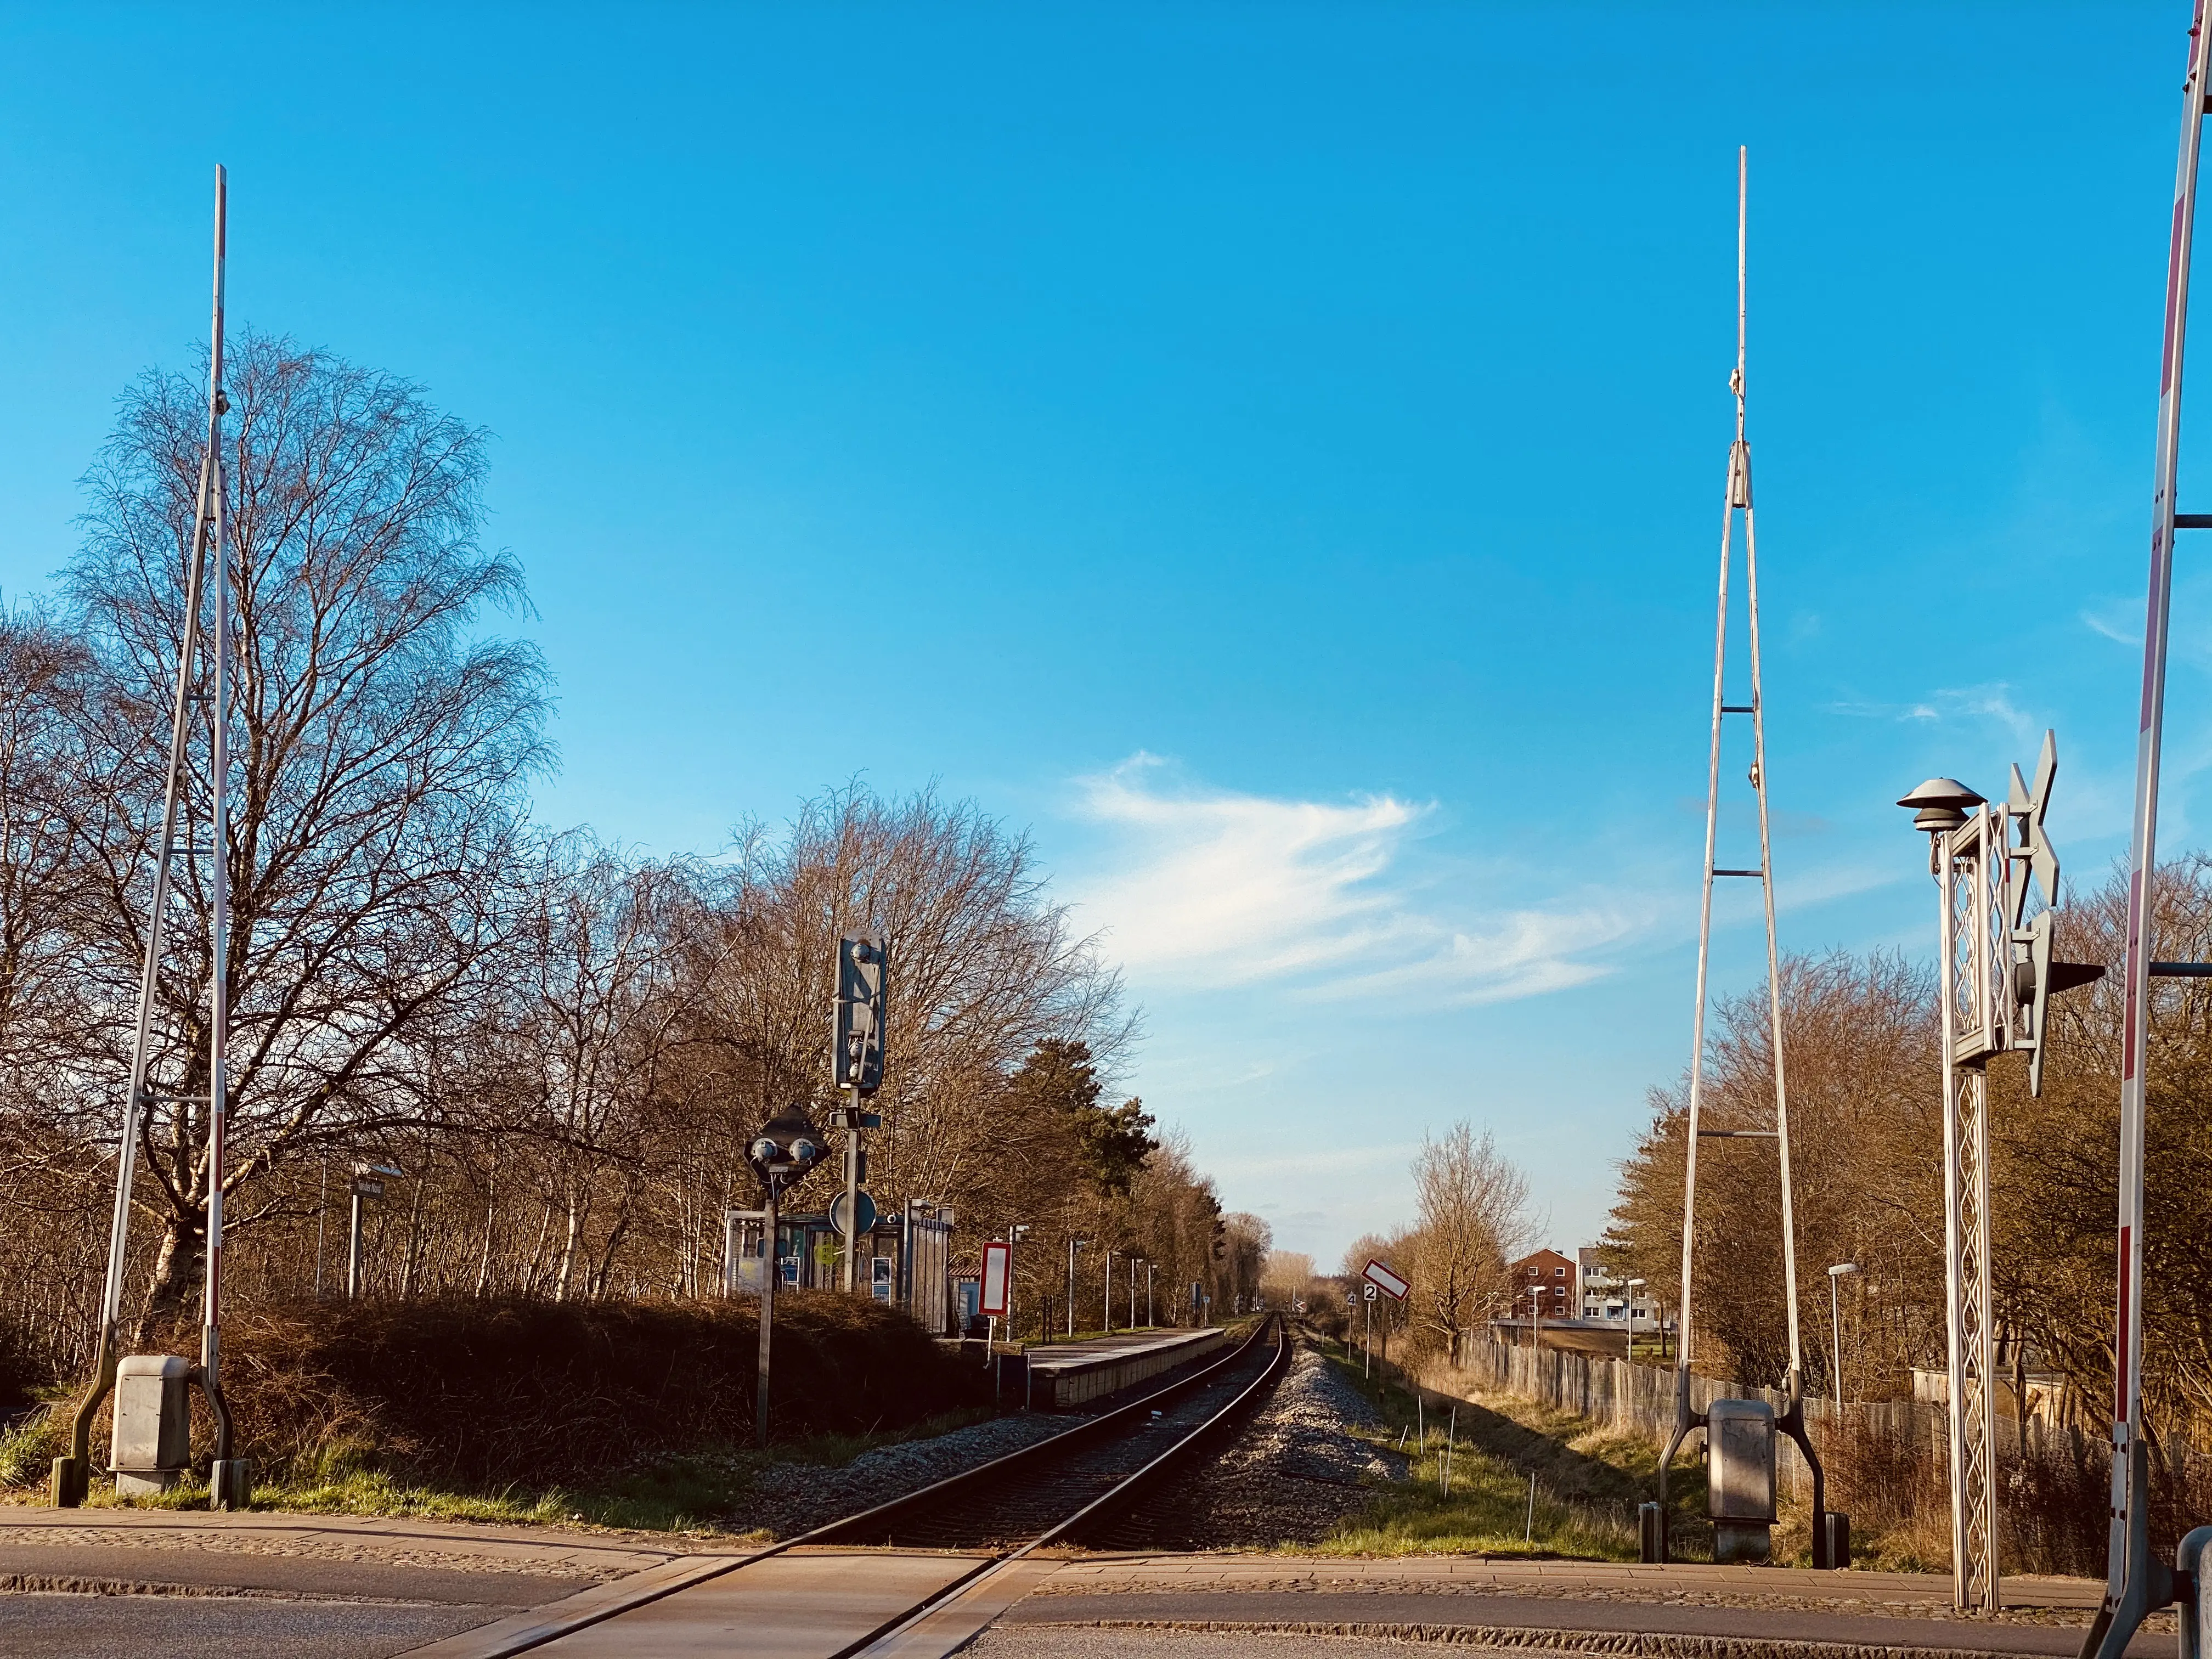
pixel 479 1394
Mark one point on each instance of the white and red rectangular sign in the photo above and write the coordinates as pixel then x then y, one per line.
pixel 998 1278
pixel 1385 1281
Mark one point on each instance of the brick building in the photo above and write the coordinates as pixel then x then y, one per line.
pixel 1552 1277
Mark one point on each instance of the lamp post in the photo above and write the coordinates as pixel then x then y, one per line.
pixel 1073 1245
pixel 1628 1312
pixel 1106 1311
pixel 1836 1323
pixel 1015 1234
pixel 1149 1321
pixel 1135 1262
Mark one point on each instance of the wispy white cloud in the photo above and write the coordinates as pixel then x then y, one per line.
pixel 1228 889
pixel 2120 622
pixel 1991 702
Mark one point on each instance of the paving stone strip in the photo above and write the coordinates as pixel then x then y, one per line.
pixel 1506 1638
pixel 63 1583
pixel 552 1562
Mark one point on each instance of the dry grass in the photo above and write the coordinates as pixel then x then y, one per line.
pixel 2054 1504
pixel 1588 1480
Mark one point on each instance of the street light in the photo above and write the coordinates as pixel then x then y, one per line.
pixel 1836 1323
pixel 1629 1312
pixel 1149 1320
pixel 1073 1245
pixel 1135 1262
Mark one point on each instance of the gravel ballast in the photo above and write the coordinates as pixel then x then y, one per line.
pixel 1289 1476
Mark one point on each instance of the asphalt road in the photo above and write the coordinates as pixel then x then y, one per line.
pixel 144 1584
pixel 49 1626
pixel 150 1585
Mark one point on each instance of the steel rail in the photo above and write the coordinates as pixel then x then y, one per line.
pixel 984 1475
pixel 981 1475
pixel 1124 1491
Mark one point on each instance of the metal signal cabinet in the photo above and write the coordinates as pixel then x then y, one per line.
pixel 1740 1478
pixel 152 1444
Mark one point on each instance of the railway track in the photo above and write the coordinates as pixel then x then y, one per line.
pixel 1063 1490
pixel 1068 1490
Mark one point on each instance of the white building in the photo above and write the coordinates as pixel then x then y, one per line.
pixel 1600 1295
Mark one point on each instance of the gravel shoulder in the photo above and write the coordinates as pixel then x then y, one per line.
pixel 1291 1475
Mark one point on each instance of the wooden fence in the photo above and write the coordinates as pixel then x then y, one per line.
pixel 1640 1399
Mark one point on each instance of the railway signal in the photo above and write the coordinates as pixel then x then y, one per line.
pixel 858 1037
pixel 856 1043
pixel 1991 860
pixel 787 1147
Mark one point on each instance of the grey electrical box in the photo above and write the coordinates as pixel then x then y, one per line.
pixel 153 1440
pixel 1740 1478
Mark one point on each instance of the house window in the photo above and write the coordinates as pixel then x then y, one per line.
pixel 1559 1273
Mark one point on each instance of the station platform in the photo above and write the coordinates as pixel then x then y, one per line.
pixel 1064 1374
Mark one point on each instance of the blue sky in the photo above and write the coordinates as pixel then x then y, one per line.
pixel 1272 453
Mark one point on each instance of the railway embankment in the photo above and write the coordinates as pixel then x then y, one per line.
pixel 619 1413
pixel 1500 1478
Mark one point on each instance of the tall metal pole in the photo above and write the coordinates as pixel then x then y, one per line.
pixel 1835 1336
pixel 353 1246
pixel 219 903
pixel 2134 1581
pixel 1736 498
pixel 72 1473
pixel 852 1185
pixel 769 1267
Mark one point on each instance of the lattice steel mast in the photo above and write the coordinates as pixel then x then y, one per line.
pixel 1738 499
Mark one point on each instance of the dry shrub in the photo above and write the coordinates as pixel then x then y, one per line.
pixel 2055 1503
pixel 1898 1495
pixel 490 1392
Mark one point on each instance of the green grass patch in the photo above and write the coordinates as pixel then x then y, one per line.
pixel 1588 1480
pixel 690 1493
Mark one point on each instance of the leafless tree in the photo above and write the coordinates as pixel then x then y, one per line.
pixel 381 742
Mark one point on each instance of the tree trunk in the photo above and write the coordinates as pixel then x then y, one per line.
pixel 568 1253
pixel 176 1270
pixel 484 1267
